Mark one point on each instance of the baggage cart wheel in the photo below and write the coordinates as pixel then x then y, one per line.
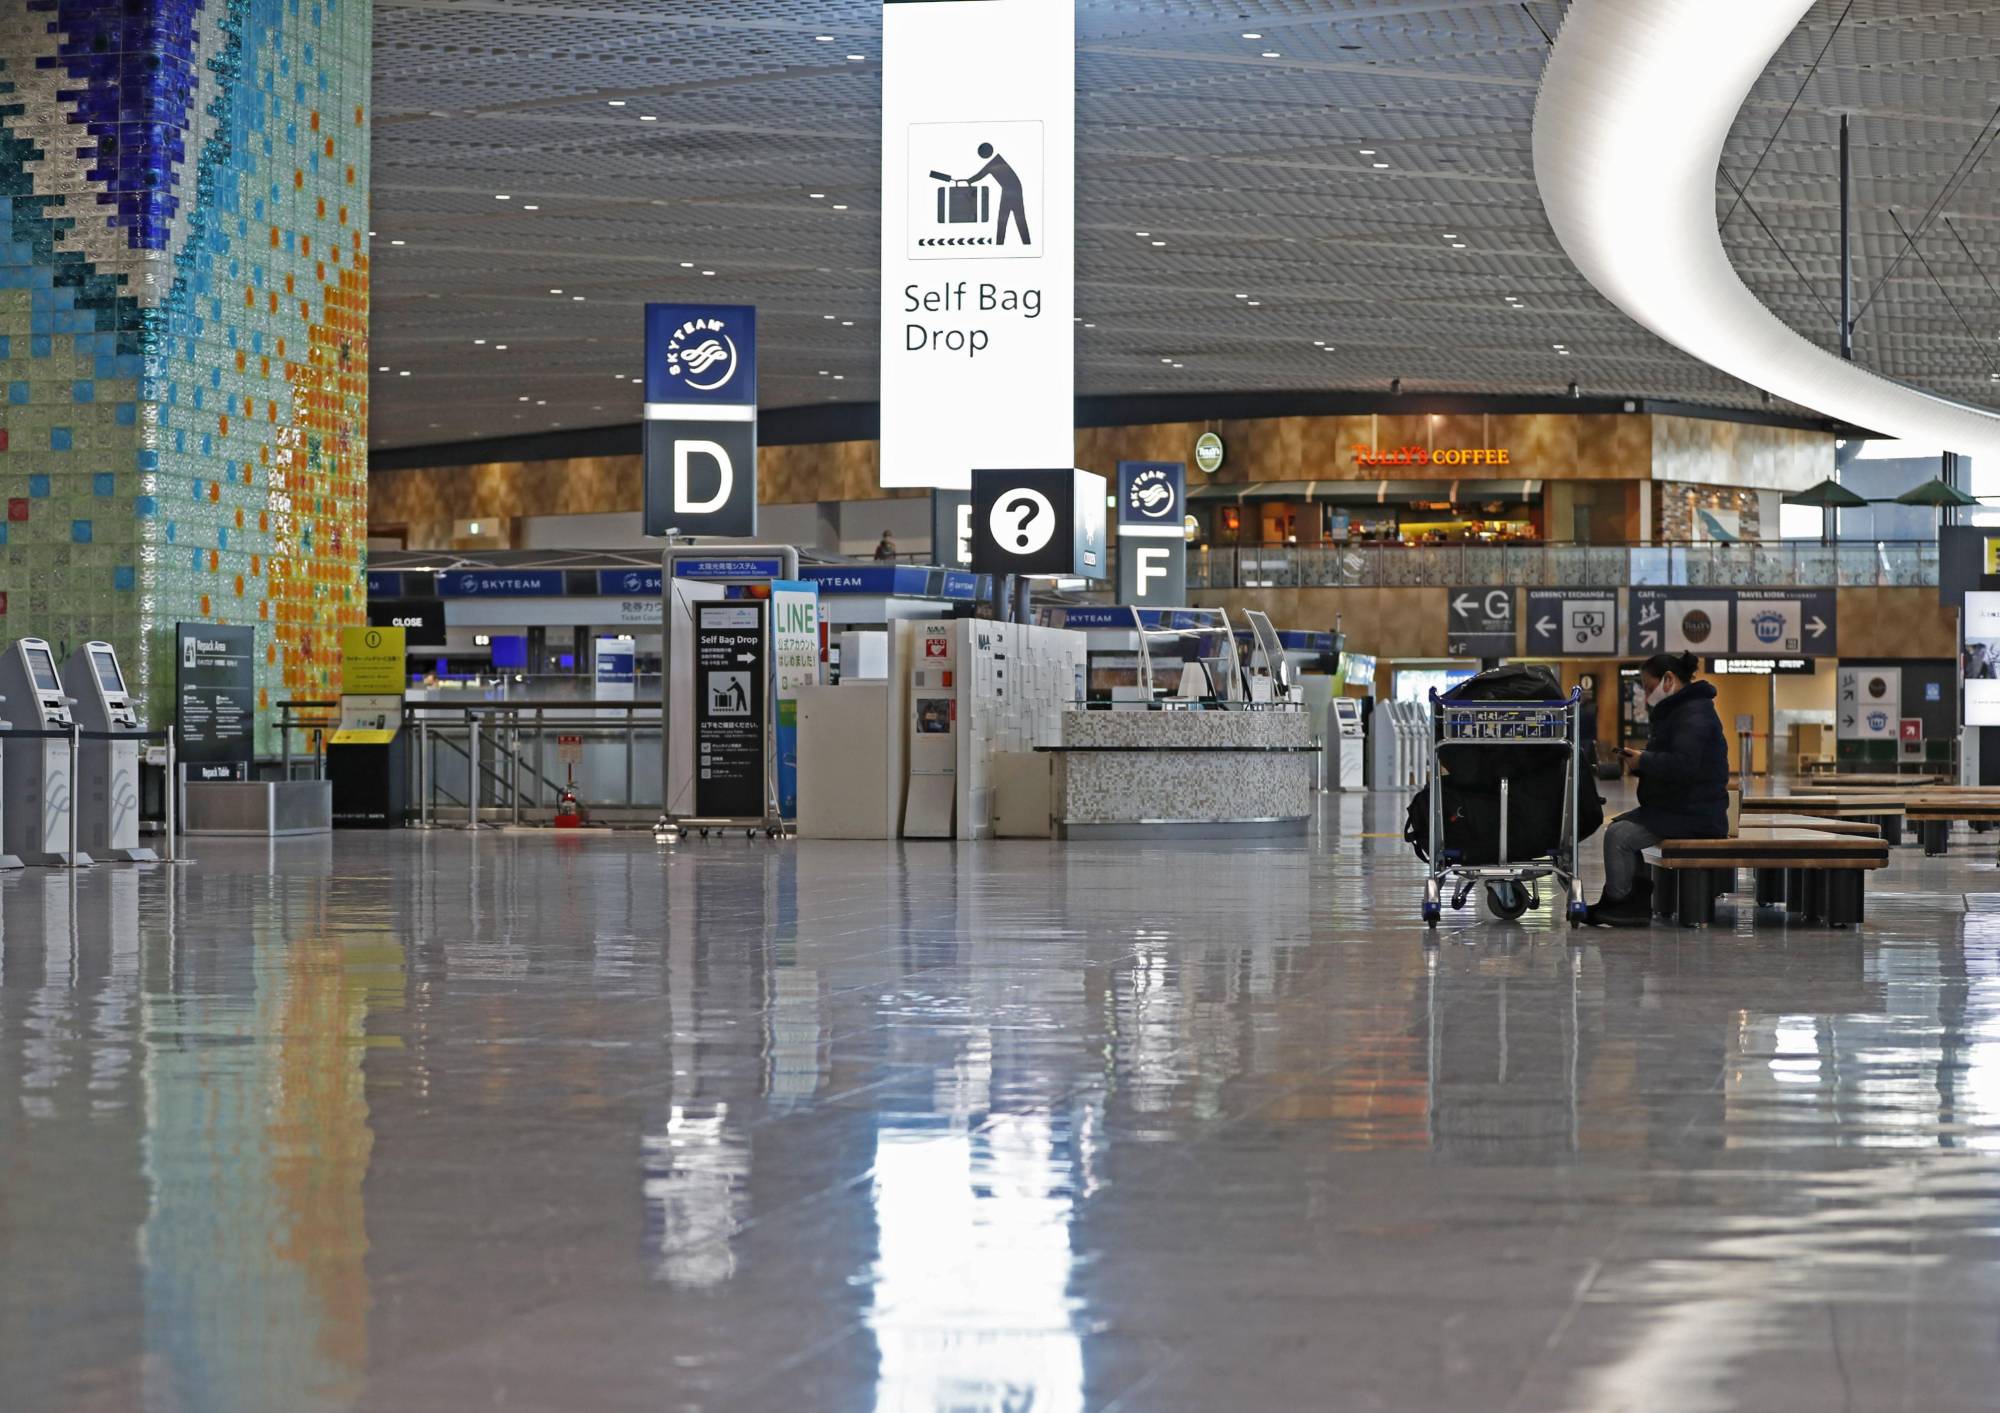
pixel 1431 914
pixel 1579 912
pixel 1506 901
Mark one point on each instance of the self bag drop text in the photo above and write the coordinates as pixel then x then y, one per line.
pixel 963 296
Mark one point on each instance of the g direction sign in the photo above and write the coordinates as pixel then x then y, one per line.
pixel 1479 622
pixel 701 420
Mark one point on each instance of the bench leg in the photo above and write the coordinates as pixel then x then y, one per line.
pixel 1815 909
pixel 1695 904
pixel 1770 888
pixel 1936 834
pixel 1666 887
pixel 1891 826
pixel 1795 890
pixel 1844 905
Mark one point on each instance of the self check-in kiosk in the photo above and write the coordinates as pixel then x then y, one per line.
pixel 107 784
pixel 35 817
pixel 7 860
pixel 1352 746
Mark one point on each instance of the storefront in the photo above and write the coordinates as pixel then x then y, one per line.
pixel 1318 513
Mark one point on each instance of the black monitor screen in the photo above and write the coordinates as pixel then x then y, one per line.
pixel 42 668
pixel 107 673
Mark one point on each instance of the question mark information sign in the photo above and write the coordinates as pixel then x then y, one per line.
pixel 1040 522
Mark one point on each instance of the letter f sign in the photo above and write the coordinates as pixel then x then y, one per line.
pixel 684 452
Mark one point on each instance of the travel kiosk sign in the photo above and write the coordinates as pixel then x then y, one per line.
pixel 1705 621
pixel 978 255
pixel 701 420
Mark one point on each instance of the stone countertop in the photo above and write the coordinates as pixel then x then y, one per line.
pixel 1186 730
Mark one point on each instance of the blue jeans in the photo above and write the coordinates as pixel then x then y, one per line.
pixel 1624 842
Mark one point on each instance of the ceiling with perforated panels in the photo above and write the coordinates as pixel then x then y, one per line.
pixel 1271 196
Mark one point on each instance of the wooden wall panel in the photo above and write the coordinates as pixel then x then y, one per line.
pixel 1895 623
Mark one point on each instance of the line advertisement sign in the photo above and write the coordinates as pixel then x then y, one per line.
pixel 978 254
pixel 795 664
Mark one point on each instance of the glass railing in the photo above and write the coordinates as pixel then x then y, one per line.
pixel 1773 564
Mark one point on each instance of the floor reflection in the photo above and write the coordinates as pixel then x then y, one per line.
pixel 450 1121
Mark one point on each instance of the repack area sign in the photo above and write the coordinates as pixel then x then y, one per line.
pixel 978 256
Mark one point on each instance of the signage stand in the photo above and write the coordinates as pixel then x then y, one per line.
pixel 366 757
pixel 720 757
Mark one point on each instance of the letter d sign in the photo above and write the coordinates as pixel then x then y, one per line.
pixel 701 478
pixel 684 502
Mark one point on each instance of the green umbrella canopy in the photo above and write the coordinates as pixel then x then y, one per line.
pixel 1828 495
pixel 1935 493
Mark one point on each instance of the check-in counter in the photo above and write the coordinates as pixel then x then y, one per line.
pixel 1153 774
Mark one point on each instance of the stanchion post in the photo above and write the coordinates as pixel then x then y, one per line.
pixel 472 771
pixel 75 749
pixel 173 820
pixel 423 771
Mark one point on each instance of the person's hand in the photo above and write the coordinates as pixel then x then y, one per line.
pixel 1630 755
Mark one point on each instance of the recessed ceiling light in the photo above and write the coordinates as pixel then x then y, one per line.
pixel 500 348
pixel 687 264
pixel 708 272
pixel 1367 152
pixel 823 372
pixel 838 206
pixel 846 323
pixel 854 58
pixel 576 298
pixel 541 402
pixel 1180 365
pixel 616 102
pixel 371 233
pixel 824 38
pixel 555 291
pixel 1255 302
pixel 383 369
pixel 1242 296
pixel 1142 234
pixel 502 196
pixel 395 242
pixel 1251 34
pixel 816 195
pixel 524 397
pixel 828 316
pixel 1166 360
pixel 404 374
pixel 1379 165
pixel 648 118
pixel 1458 245
pixel 479 340
pixel 1159 242
pixel 531 208
pixel 1449 236
pixel 1268 54
pixel 840 377
pixel 1090 326
pixel 1319 343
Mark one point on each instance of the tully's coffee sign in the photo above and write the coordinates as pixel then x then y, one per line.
pixel 1425 456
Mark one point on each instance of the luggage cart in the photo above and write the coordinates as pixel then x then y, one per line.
pixel 1510 883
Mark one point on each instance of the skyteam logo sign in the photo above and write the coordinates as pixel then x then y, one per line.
pixel 701 353
pixel 1151 498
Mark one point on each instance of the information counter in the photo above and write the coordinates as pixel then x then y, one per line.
pixel 1158 774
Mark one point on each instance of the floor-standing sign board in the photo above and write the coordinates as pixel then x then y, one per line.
pixel 215 697
pixel 730 665
pixel 794 664
pixel 1572 623
pixel 701 420
pixel 978 257
pixel 1479 622
pixel 1152 533
pixel 1868 704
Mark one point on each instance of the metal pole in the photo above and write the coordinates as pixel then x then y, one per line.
pixel 1846 247
pixel 173 769
pixel 285 739
pixel 75 745
pixel 472 775
pixel 423 771
pixel 631 749
pixel 514 736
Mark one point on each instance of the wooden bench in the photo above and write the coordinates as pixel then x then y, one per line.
pixel 1933 809
pixel 1882 810
pixel 1859 828
pixel 1811 872
pixel 1862 780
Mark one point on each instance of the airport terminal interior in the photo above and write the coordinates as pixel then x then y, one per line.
pixel 999 705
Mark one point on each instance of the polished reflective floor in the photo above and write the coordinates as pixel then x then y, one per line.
pixel 446 1122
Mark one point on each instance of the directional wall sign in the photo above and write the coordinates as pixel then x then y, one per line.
pixel 1795 621
pixel 1479 622
pixel 1572 623
pixel 1708 622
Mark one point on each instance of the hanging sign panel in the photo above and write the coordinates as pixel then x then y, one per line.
pixel 978 258
pixel 1572 623
pixel 701 420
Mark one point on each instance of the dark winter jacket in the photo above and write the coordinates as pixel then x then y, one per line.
pixel 1684 771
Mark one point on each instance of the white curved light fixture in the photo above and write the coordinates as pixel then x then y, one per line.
pixel 1635 104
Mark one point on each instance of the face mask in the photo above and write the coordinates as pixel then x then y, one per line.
pixel 1657 695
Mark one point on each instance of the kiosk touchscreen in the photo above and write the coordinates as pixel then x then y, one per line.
pixel 35 814
pixel 107 784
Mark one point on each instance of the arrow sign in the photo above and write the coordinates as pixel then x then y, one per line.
pixel 1465 605
pixel 1546 627
pixel 1479 622
pixel 1816 626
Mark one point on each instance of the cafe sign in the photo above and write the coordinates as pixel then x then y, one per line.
pixel 1424 456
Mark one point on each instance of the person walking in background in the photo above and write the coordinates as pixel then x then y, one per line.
pixel 886 548
pixel 1683 786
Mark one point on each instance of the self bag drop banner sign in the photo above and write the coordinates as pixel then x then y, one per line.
pixel 701 419
pixel 978 256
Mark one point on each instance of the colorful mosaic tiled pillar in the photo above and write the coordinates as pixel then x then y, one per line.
pixel 184 329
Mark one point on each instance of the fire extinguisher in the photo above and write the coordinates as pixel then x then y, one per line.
pixel 570 813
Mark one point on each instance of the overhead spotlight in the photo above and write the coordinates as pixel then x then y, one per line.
pixel 1396 387
pixel 1574 391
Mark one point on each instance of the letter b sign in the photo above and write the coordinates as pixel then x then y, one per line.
pixel 701 478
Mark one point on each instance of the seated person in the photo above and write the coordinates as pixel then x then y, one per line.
pixel 1683 786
